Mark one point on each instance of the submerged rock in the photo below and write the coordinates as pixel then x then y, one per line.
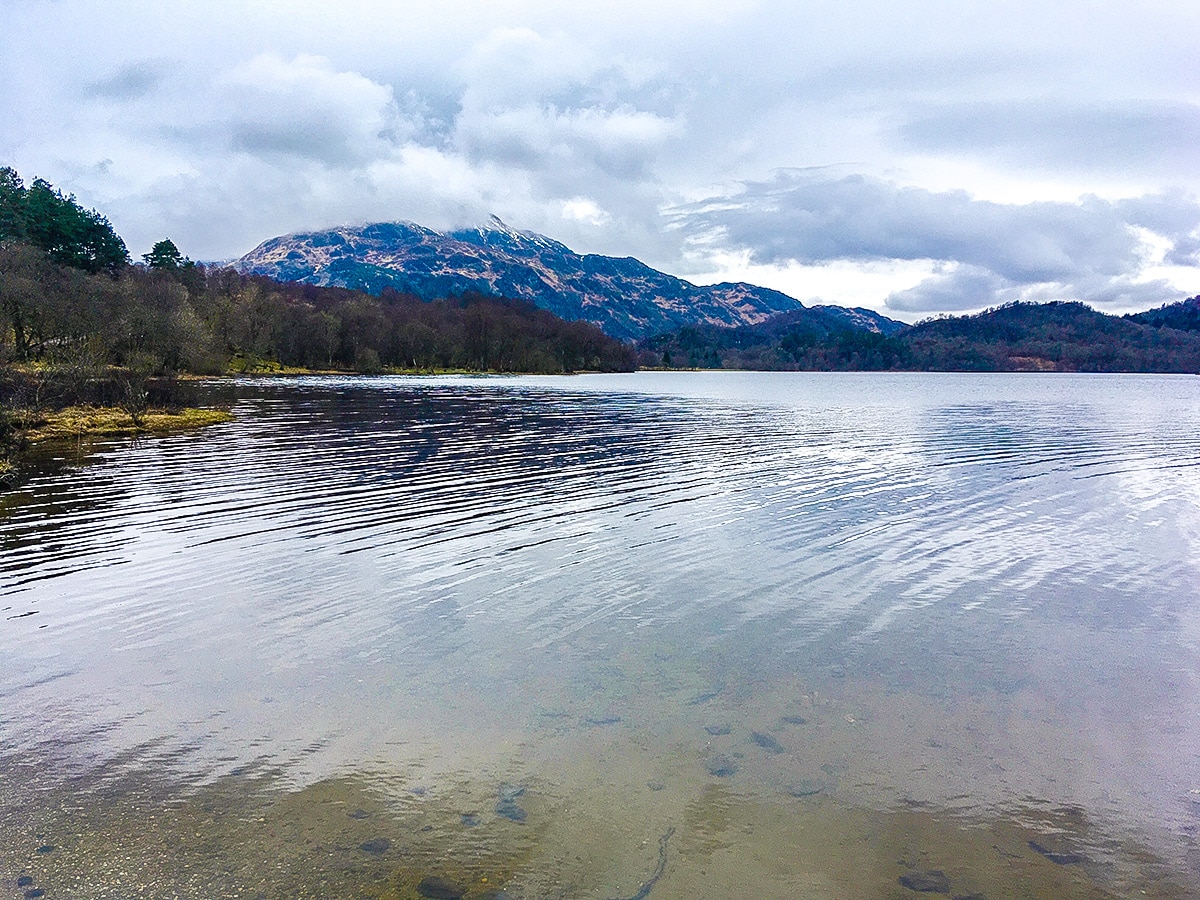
pixel 805 787
pixel 507 807
pixel 721 767
pixel 437 888
pixel 359 814
pixel 1056 857
pixel 471 819
pixel 24 881
pixel 600 721
pixel 375 846
pixel 707 695
pixel 45 848
pixel 933 881
pixel 767 742
pixel 511 791
pixel 717 730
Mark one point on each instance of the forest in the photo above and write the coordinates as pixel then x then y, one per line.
pixel 1056 337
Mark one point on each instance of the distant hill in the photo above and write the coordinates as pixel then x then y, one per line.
pixel 625 297
pixel 1063 337
pixel 1184 315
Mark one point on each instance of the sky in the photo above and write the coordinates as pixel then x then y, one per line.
pixel 915 158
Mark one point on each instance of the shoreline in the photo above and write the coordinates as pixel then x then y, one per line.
pixel 76 423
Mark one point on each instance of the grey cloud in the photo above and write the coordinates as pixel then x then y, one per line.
pixel 1185 252
pixel 812 217
pixel 305 107
pixel 1058 135
pixel 582 143
pixel 130 82
pixel 988 252
pixel 965 288
pixel 308 139
pixel 1175 215
pixel 1122 293
pixel 552 106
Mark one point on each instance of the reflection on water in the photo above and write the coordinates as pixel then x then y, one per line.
pixel 896 625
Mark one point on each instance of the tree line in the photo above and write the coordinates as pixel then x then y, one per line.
pixel 1060 336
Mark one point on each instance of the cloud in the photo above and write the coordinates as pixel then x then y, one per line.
pixel 1053 134
pixel 966 288
pixel 812 217
pixel 992 252
pixel 552 106
pixel 961 288
pixel 601 125
pixel 130 82
pixel 304 107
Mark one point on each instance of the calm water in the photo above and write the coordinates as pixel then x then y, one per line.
pixel 656 635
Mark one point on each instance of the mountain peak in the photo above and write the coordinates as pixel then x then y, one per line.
pixel 626 298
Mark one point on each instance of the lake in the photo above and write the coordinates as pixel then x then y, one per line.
pixel 661 635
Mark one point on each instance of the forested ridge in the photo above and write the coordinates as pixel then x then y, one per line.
pixel 1059 336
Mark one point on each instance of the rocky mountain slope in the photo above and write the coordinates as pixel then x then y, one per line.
pixel 625 297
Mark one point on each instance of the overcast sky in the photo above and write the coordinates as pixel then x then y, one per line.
pixel 913 157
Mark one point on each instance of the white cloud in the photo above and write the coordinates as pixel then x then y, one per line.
pixel 582 209
pixel 304 108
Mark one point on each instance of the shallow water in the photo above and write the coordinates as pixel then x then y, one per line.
pixel 783 634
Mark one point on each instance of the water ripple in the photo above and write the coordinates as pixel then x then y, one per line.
pixel 454 532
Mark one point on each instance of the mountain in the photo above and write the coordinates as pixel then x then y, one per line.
pixel 625 297
pixel 1061 337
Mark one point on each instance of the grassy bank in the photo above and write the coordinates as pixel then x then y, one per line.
pixel 91 421
pixel 26 428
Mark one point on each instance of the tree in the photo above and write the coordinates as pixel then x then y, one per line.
pixel 68 233
pixel 12 206
pixel 165 255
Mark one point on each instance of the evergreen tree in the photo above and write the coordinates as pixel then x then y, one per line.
pixel 12 206
pixel 165 255
pixel 57 225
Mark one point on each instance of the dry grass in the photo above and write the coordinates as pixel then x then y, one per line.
pixel 91 421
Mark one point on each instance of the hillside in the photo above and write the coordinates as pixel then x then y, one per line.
pixel 1183 316
pixel 1064 337
pixel 623 296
